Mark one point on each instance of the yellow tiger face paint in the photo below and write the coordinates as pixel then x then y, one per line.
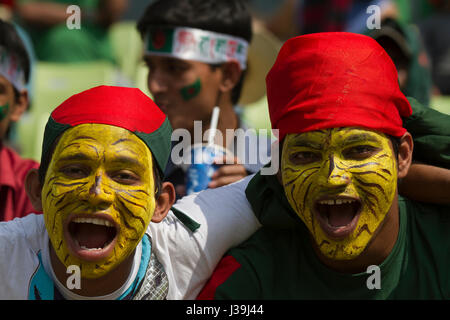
pixel 341 182
pixel 98 197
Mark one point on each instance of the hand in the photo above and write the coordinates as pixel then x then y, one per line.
pixel 228 173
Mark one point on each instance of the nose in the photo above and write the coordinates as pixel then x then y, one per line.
pixel 98 193
pixel 334 175
pixel 156 81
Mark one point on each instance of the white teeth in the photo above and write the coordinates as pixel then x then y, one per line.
pixel 97 221
pixel 337 201
pixel 89 249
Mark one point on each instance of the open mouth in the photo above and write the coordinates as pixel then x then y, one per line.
pixel 91 237
pixel 338 217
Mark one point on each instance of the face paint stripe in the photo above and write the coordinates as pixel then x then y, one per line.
pixel 70 184
pixel 365 227
pixel 133 196
pixel 119 141
pixel 370 172
pixel 371 205
pixel 127 150
pixel 125 220
pixel 127 211
pixel 70 144
pixel 300 174
pixel 372 185
pixel 306 194
pixel 387 171
pixel 84 138
pixel 323 242
pixel 131 202
pixel 364 165
pixel 331 165
pixel 369 194
pixel 139 190
pixel 95 149
pixel 60 244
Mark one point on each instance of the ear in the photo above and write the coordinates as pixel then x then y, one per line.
pixel 20 106
pixel 405 151
pixel 164 202
pixel 33 189
pixel 231 72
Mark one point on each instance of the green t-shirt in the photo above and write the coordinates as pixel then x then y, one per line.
pixel 280 263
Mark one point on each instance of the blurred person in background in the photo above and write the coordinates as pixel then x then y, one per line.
pixel 46 22
pixel 14 75
pixel 404 45
pixel 188 86
pixel 436 33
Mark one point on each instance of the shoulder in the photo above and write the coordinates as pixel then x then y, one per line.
pixel 428 226
pixel 197 232
pixel 248 270
pixel 20 242
pixel 22 232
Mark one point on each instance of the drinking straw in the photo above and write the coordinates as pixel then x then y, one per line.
pixel 213 126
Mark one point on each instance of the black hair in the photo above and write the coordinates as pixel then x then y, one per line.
pixel 10 40
pixel 230 17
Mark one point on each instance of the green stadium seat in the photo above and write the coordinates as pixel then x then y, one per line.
pixel 441 103
pixel 54 83
pixel 128 47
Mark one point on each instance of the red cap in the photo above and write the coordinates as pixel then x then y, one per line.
pixel 127 108
pixel 335 79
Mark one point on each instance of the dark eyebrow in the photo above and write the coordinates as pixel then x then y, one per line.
pixel 308 144
pixel 129 160
pixel 360 137
pixel 84 137
pixel 75 157
pixel 302 141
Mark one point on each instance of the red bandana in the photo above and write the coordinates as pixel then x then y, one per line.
pixel 335 79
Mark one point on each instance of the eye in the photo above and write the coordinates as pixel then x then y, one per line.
pixel 75 171
pixel 125 177
pixel 304 157
pixel 175 66
pixel 359 152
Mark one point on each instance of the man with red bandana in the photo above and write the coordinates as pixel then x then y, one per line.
pixel 333 213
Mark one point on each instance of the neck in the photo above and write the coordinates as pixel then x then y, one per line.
pixel 381 245
pixel 104 285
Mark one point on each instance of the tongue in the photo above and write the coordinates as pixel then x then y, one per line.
pixel 91 235
pixel 340 215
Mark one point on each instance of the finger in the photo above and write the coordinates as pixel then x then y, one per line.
pixel 229 170
pixel 223 181
pixel 226 160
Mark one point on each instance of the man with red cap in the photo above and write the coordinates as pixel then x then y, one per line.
pixel 334 225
